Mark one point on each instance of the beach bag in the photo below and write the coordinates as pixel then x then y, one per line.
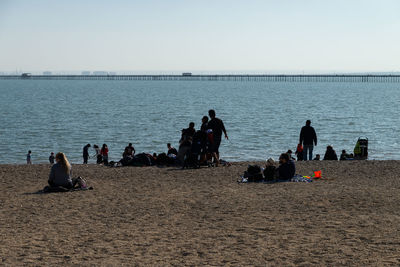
pixel 81 183
pixel 269 173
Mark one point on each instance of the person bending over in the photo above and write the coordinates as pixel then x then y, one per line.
pixel 287 168
pixel 60 173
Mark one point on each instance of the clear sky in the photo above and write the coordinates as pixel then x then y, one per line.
pixel 200 36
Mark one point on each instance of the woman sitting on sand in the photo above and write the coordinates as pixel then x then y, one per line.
pixel 60 174
pixel 330 154
pixel 286 169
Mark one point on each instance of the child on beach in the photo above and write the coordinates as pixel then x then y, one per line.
pixel 104 154
pixel 51 158
pixel 29 157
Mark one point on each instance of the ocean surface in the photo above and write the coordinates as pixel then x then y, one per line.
pixel 263 119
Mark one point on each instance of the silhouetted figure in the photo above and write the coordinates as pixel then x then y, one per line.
pixel 217 127
pixel 29 157
pixel 308 138
pixel 104 154
pixel 51 158
pixel 185 143
pixel 171 150
pixel 330 154
pixel 344 155
pixel 317 157
pixel 86 153
pixel 130 150
pixel 299 152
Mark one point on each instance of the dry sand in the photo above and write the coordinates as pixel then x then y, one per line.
pixel 163 216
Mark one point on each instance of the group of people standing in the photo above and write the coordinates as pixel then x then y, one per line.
pixel 101 154
pixel 203 143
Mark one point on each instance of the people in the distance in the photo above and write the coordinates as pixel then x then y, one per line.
pixel 99 158
pixel 51 158
pixel 185 143
pixel 104 154
pixel 308 138
pixel 344 155
pixel 60 173
pixel 317 157
pixel 299 152
pixel 130 150
pixel 287 168
pixel 217 127
pixel 290 152
pixel 204 140
pixel 171 150
pixel 86 153
pixel 330 154
pixel 29 157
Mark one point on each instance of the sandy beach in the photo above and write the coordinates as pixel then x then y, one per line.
pixel 151 216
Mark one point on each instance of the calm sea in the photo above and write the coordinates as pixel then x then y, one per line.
pixel 263 119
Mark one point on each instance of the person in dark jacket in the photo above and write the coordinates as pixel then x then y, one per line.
pixel 86 153
pixel 330 154
pixel 287 168
pixel 217 127
pixel 60 174
pixel 308 138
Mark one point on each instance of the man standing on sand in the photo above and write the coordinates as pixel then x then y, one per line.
pixel 308 138
pixel 217 127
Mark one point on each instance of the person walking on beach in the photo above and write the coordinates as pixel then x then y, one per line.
pixel 104 153
pixel 86 153
pixel 29 157
pixel 308 138
pixel 217 127
pixel 51 158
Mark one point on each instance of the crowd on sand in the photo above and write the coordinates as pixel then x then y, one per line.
pixel 196 148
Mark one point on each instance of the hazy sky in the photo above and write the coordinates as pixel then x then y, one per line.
pixel 226 35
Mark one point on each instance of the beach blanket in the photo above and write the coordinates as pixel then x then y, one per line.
pixel 296 179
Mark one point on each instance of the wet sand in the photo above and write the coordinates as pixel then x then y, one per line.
pixel 155 216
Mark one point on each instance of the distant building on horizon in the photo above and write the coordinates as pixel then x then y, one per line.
pixel 85 73
pixel 100 73
pixel 47 73
pixel 112 73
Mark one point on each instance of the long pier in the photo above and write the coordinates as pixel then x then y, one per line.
pixel 220 77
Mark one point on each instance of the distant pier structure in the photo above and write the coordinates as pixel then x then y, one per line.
pixel 367 78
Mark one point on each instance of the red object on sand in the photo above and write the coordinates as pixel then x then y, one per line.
pixel 317 175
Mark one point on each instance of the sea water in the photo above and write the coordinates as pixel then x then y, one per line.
pixel 263 119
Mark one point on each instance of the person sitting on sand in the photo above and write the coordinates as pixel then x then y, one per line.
pixel 290 152
pixel 330 154
pixel 60 173
pixel 344 155
pixel 171 150
pixel 287 168
pixel 317 157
